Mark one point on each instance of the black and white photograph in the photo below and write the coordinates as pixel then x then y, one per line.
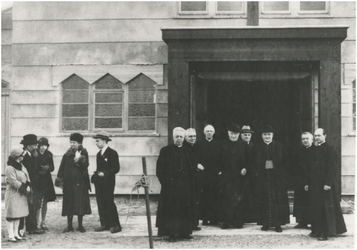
pixel 178 124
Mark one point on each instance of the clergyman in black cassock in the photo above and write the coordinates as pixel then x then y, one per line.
pixel 270 163
pixel 104 181
pixel 327 218
pixel 209 155
pixel 302 166
pixel 232 182
pixel 177 196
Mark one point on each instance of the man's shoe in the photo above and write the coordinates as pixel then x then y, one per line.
pixel 238 226
pixel 68 229
pixel 101 229
pixel 300 226
pixel 116 229
pixel 313 235
pixel 81 229
pixel 44 227
pixel 278 229
pixel 322 238
pixel 196 229
pixel 37 231
pixel 225 226
pixel 186 236
pixel 264 228
pixel 172 238
pixel 205 223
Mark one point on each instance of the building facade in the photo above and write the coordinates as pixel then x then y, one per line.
pixel 139 69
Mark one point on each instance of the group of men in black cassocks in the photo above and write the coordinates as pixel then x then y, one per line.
pixel 235 181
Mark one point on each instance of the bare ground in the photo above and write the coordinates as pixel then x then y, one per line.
pixel 54 238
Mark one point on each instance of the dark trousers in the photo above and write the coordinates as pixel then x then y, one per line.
pixel 107 209
pixel 31 221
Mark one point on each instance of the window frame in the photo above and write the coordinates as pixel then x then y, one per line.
pixel 180 12
pixel 294 11
pixel 124 131
pixel 211 11
pixel 220 13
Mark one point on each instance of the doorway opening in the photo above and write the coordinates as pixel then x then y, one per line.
pixel 254 94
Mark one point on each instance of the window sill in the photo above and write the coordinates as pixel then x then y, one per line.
pixel 112 135
pixel 352 134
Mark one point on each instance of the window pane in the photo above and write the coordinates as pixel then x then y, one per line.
pixel 354 123
pixel 141 96
pixel 276 6
pixel 141 109
pixel 354 109
pixel 312 5
pixel 74 110
pixel 141 123
pixel 229 6
pixel 75 124
pixel 108 97
pixel 75 82
pixel 108 110
pixel 141 82
pixel 75 96
pixel 108 82
pixel 108 122
pixel 193 6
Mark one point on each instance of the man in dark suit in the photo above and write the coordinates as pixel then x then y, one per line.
pixel 327 218
pixel 104 182
pixel 30 145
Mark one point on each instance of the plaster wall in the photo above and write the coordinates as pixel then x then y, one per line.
pixel 44 35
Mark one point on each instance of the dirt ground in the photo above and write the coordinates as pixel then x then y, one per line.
pixel 54 238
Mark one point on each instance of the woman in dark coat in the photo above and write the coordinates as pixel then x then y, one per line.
pixel 177 197
pixel 73 171
pixel 270 164
pixel 47 192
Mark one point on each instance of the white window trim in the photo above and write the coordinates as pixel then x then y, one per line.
pixel 315 12
pixel 180 12
pixel 294 11
pixel 242 12
pixel 266 12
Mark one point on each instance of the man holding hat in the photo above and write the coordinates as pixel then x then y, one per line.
pixel 104 182
pixel 233 164
pixel 30 162
pixel 270 169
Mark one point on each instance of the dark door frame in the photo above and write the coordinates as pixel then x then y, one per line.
pixel 320 44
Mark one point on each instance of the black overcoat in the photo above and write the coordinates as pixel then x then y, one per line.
pixel 326 211
pixel 75 183
pixel 302 165
pixel 44 177
pixel 209 155
pixel 271 191
pixel 232 182
pixel 177 196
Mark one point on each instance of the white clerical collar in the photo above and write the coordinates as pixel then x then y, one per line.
pixel 104 148
pixel 320 144
pixel 267 143
pixel 209 140
pixel 308 146
pixel 28 152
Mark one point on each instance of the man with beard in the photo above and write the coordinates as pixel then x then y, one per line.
pixel 190 145
pixel 327 218
pixel 209 154
pixel 303 160
pixel 176 202
pixel 270 169
pixel 232 184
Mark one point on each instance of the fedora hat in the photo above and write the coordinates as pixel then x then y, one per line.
pixel 29 139
pixel 246 129
pixel 267 129
pixel 102 135
pixel 233 128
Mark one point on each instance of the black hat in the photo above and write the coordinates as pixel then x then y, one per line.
pixel 29 139
pixel 246 129
pixel 233 128
pixel 76 137
pixel 102 135
pixel 43 141
pixel 267 129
